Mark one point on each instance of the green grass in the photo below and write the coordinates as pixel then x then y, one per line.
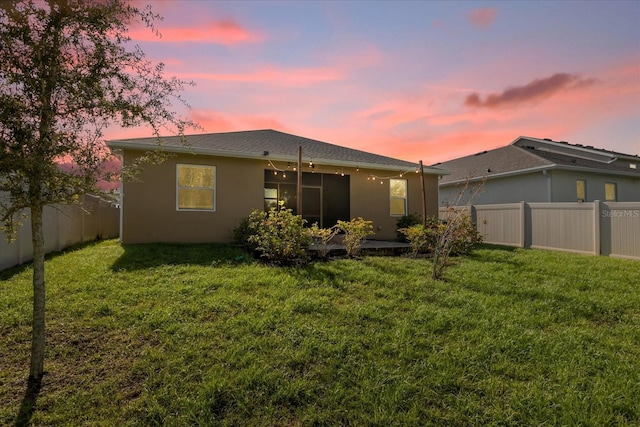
pixel 202 335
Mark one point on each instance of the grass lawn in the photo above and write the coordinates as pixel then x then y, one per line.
pixel 199 335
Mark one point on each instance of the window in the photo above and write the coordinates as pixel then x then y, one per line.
pixel 398 196
pixel 581 190
pixel 196 187
pixel 280 187
pixel 610 191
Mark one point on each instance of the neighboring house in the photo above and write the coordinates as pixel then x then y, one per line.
pixel 203 190
pixel 542 170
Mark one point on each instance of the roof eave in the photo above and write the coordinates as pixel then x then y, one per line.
pixel 499 175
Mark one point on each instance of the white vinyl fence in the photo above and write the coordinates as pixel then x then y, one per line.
pixel 599 228
pixel 64 225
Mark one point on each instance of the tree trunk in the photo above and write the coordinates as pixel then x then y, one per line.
pixel 37 337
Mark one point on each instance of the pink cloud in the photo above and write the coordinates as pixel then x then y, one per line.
pixel 482 18
pixel 214 121
pixel 536 90
pixel 392 114
pixel 291 77
pixel 226 32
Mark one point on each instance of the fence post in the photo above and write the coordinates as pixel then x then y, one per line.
pixel 523 225
pixel 596 227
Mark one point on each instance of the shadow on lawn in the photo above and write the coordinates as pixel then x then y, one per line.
pixel 28 405
pixel 143 256
pixel 18 269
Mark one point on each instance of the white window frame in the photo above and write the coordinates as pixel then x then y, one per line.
pixel 213 189
pixel 392 197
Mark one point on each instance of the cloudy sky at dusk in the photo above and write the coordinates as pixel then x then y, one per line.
pixel 416 80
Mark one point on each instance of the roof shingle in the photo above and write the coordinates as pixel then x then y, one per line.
pixel 270 144
pixel 515 159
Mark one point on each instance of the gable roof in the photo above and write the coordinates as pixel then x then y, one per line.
pixel 523 156
pixel 270 145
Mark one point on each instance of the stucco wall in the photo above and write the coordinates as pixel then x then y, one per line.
pixel 150 214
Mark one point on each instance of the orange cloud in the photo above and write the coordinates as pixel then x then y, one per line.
pixel 226 32
pixel 482 18
pixel 537 89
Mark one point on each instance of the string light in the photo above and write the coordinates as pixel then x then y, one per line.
pixel 341 171
pixel 382 178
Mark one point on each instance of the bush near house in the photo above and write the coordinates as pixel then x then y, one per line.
pixel 355 231
pixel 279 235
pixel 417 236
pixel 321 237
pixel 460 234
pixel 404 222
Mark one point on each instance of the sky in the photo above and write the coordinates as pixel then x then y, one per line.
pixel 415 80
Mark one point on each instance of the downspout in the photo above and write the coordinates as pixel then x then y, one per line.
pixel 547 173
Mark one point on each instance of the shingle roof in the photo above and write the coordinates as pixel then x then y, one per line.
pixel 565 144
pixel 513 159
pixel 272 145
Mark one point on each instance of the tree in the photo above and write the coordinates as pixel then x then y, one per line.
pixel 455 233
pixel 68 70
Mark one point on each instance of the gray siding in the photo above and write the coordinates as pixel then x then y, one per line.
pixel 532 187
pixel 552 186
pixel 564 186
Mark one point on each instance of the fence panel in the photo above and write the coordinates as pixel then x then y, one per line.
pixel 563 226
pixel 621 223
pixel 64 226
pixel 611 228
pixel 500 224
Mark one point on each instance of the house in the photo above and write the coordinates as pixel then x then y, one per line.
pixel 204 189
pixel 542 170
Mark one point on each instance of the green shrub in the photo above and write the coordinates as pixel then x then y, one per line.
pixel 355 231
pixel 404 222
pixel 457 235
pixel 241 234
pixel 279 235
pixel 418 237
pixel 464 236
pixel 460 233
pixel 321 238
